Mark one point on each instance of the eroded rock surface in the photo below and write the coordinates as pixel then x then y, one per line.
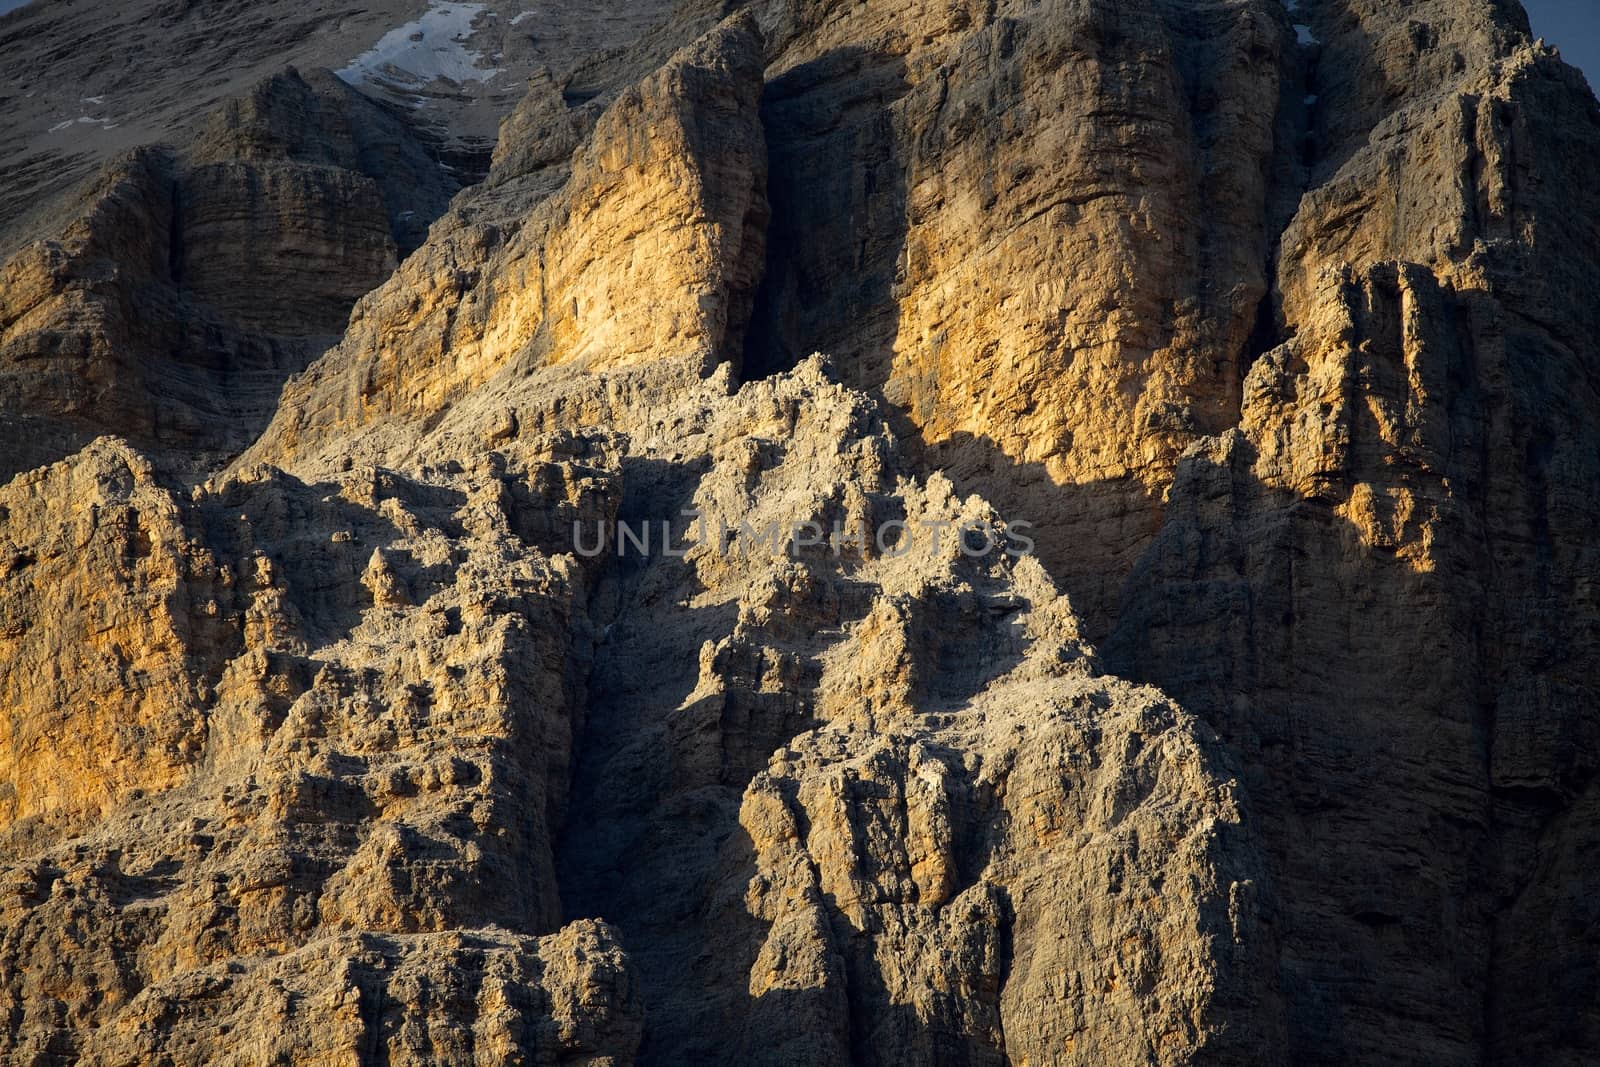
pixel 258 817
pixel 649 250
pixel 844 765
pixel 1377 585
pixel 1055 219
pixel 86 82
pixel 188 286
pixel 1268 316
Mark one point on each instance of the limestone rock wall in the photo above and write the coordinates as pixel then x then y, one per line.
pixel 649 247
pixel 1054 222
pixel 187 287
pixel 1268 316
pixel 1383 570
pixel 111 623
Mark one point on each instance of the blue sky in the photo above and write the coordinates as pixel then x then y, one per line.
pixel 1572 26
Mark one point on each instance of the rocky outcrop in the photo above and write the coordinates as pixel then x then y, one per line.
pixel 1376 587
pixel 325 769
pixel 188 287
pixel 649 249
pixel 110 617
pixel 318 123
pixel 286 197
pixel 577 669
pixel 374 816
pixel 849 814
pixel 563 999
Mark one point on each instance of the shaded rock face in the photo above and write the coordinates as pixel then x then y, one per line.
pixel 85 82
pixel 664 199
pixel 187 287
pixel 1055 222
pixel 388 742
pixel 313 121
pixel 1385 566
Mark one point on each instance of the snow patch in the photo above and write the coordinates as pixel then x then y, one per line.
pixel 521 18
pixel 84 120
pixel 1303 33
pixel 92 100
pixel 432 47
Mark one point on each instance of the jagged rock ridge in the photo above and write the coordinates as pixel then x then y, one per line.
pixel 1264 314
pixel 139 319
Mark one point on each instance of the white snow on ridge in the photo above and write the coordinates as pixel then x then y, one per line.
pixel 433 46
pixel 521 17
pixel 84 120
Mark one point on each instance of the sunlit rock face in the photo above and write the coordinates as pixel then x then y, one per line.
pixel 555 597
pixel 1055 221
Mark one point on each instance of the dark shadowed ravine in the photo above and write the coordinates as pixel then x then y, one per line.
pixel 916 532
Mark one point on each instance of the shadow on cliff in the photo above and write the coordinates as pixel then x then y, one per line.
pixel 1088 535
pixel 837 188
pixel 1390 655
pixel 1333 670
pixel 838 168
pixel 655 797
pixel 285 521
pixel 680 716
pixel 650 811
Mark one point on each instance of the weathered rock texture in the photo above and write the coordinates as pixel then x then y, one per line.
pixel 1378 586
pixel 387 743
pixel 85 81
pixel 903 848
pixel 650 250
pixel 1055 221
pixel 169 294
pixel 186 288
pixel 265 852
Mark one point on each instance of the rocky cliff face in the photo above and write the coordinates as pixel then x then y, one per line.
pixel 170 293
pixel 569 666
pixel 187 286
pixel 85 82
pixel 1386 561
pixel 1056 219
pixel 648 248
